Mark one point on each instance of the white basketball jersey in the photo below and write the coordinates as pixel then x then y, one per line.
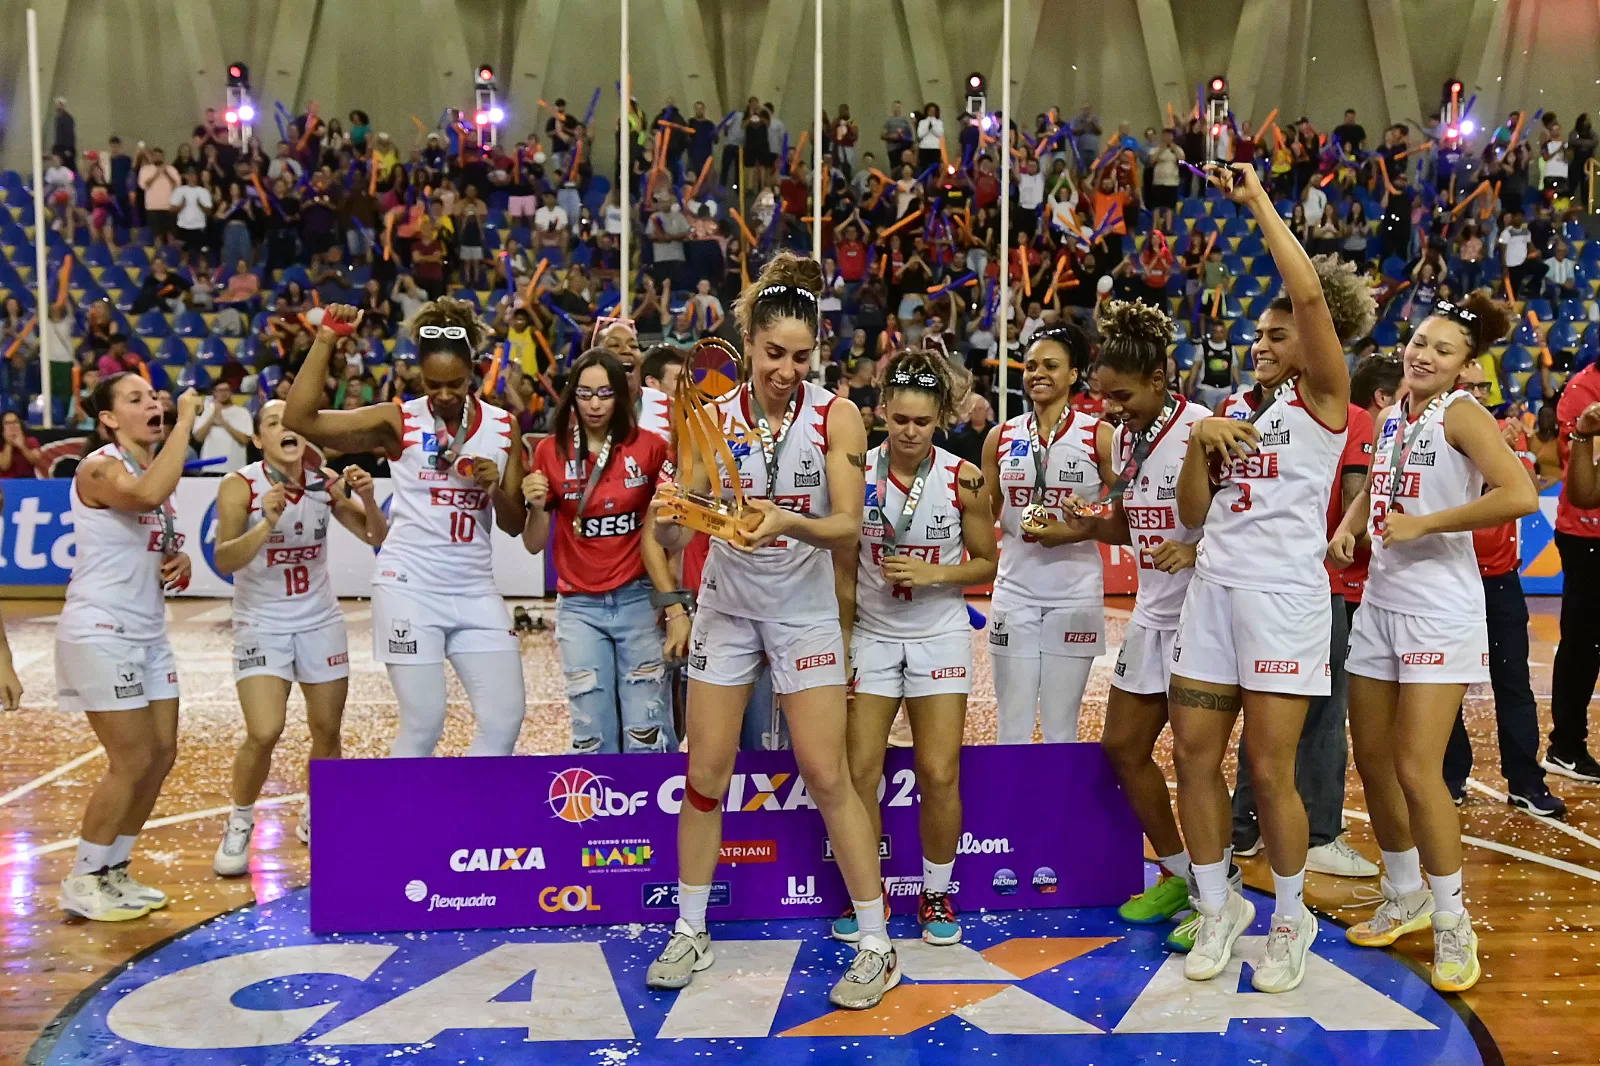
pixel 789 580
pixel 932 534
pixel 1151 507
pixel 1031 574
pixel 1434 576
pixel 286 588
pixel 1238 404
pixel 655 412
pixel 440 520
pixel 1267 527
pixel 115 589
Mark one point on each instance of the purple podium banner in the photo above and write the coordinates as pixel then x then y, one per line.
pixel 553 840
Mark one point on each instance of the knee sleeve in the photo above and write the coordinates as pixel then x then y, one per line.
pixel 1016 691
pixel 419 690
pixel 1061 683
pixel 493 680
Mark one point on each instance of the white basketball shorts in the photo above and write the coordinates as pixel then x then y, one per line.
pixel 114 675
pixel 311 658
pixel 418 627
pixel 1261 641
pixel 1025 632
pixel 1413 650
pixel 728 650
pixel 908 669
pixel 1145 666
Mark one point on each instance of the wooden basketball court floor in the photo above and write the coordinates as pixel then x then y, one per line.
pixel 1533 885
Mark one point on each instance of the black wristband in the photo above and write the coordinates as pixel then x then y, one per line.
pixel 679 597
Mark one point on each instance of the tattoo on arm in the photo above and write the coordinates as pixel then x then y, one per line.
pixel 858 460
pixel 973 484
pixel 1211 701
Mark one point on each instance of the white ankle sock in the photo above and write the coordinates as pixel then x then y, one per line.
pixel 869 918
pixel 245 815
pixel 692 900
pixel 936 875
pixel 1177 865
pixel 1291 890
pixel 1211 879
pixel 1447 893
pixel 122 849
pixel 1404 870
pixel 91 858
pixel 1227 857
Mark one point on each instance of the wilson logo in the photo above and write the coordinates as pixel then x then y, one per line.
pixel 810 662
pixel 1423 658
pixel 1277 666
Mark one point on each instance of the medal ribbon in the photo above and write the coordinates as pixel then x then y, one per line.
pixel 580 452
pixel 167 513
pixel 445 458
pixel 772 447
pixel 1404 438
pixel 893 531
pixel 278 477
pixel 1282 392
pixel 1141 451
pixel 1041 451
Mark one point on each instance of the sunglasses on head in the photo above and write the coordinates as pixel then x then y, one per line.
pixel 449 333
pixel 923 379
pixel 604 392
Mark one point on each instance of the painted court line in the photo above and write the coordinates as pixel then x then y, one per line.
pixel 45 779
pixel 1562 827
pixel 174 819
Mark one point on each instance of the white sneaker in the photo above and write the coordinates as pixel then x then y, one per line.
pixel 233 854
pixel 686 954
pixel 1284 966
pixel 875 970
pixel 1213 941
pixel 1338 858
pixel 135 892
pixel 302 828
pixel 90 896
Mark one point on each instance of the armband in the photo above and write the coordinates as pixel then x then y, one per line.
pixel 680 597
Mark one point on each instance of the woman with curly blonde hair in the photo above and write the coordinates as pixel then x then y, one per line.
pixel 456 464
pixel 1255 628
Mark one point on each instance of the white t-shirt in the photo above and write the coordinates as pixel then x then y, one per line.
pixel 59 177
pixel 1556 165
pixel 1316 202
pixel 550 218
pixel 1515 240
pixel 1166 160
pixel 219 443
pixel 613 219
pixel 1030 191
pixel 930 131
pixel 191 202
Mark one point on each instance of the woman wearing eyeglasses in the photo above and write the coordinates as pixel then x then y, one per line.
pixel 455 464
pixel 1440 469
pixel 928 534
pixel 592 479
pixel 1048 621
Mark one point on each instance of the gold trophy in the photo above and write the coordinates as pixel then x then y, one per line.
pixel 714 367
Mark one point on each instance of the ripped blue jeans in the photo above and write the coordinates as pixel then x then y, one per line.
pixel 616 685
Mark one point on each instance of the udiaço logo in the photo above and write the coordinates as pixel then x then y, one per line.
pixel 208 541
pixel 577 795
pixel 1005 882
pixel 1033 984
pixel 801 892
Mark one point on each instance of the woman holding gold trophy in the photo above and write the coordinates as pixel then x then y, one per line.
pixel 1043 468
pixel 768 594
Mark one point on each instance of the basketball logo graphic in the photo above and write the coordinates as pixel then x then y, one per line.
pixel 575 795
pixel 416 891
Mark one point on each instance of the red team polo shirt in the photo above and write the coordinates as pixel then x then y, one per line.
pixel 1582 390
pixel 1497 547
pixel 1355 459
pixel 608 555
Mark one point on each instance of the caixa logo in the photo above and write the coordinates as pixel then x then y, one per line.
pixel 802 893
pixel 208 541
pixel 577 795
pixel 468 860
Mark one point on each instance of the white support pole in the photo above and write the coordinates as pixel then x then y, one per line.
pixel 1005 204
pixel 624 174
pixel 816 160
pixel 41 225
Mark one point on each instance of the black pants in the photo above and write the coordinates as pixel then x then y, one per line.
pixel 1578 655
pixel 1515 712
pixel 730 175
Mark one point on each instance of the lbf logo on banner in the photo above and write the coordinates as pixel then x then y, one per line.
pixel 577 795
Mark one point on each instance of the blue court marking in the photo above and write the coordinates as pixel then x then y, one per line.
pixel 1115 996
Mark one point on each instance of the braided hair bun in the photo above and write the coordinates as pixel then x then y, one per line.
pixel 1495 319
pixel 1349 300
pixel 789 287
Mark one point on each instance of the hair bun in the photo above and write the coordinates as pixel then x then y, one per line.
pixel 1349 300
pixel 786 268
pixel 1495 319
pixel 1135 321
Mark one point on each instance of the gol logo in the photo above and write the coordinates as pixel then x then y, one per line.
pixel 577 795
pixel 573 898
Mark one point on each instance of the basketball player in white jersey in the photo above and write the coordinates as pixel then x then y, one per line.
pixel 272 536
pixel 801 458
pixel 1255 625
pixel 1047 621
pixel 657 376
pixel 1440 469
pixel 456 465
pixel 926 536
pixel 112 656
pixel 652 407
pixel 1141 510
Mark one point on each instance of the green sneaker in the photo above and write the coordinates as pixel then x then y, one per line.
pixel 1156 904
pixel 1181 939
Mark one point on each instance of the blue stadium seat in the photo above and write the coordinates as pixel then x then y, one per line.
pixel 404 349
pixel 1511 388
pixel 1236 227
pixel 1387 334
pixel 1204 226
pixel 1533 391
pixel 1394 267
pixel 1184 354
pixel 151 324
pixel 98 255
pixel 1234 264
pixel 1180 330
pixel 1247 285
pixel 1572 311
pixel 172 350
pixel 467 295
pixel 296 272
pixel 190 324
pixel 1263 266
pixel 1584 357
pixel 1525 333
pixel 1243 332
pixel 132 256
pixel 1560 337
pixel 1572 231
pixel 268 379
pixel 1192 208
pixel 1515 360
pixel 1542 308
pixel 213 351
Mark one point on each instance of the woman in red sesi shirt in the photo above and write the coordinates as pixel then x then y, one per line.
pixel 593 478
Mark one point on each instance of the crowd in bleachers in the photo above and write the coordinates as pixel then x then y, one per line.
pixel 210 266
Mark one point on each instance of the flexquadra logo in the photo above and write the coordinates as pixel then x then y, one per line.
pixel 577 795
